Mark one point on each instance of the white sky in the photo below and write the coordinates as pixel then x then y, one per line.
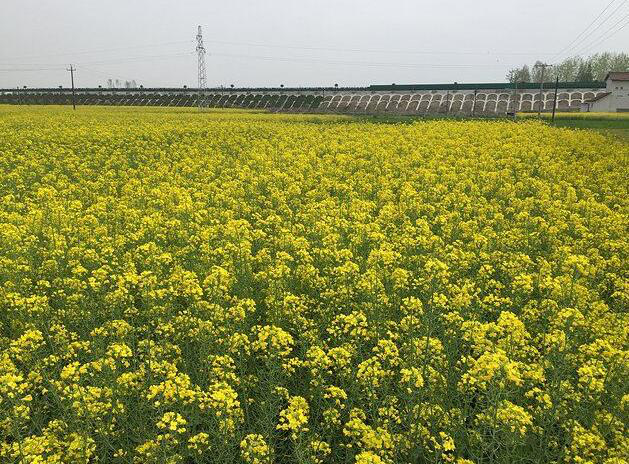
pixel 295 42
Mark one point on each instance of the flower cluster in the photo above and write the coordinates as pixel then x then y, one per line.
pixel 227 287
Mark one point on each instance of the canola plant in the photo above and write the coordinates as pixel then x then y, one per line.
pixel 221 287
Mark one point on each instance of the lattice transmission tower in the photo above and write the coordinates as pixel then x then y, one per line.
pixel 202 73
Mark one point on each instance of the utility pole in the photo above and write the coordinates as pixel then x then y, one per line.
pixel 201 65
pixel 474 103
pixel 72 69
pixel 541 86
pixel 555 101
pixel 514 98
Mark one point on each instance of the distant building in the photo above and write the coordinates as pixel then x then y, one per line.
pixel 616 97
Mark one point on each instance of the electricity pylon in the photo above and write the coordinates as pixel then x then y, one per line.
pixel 202 73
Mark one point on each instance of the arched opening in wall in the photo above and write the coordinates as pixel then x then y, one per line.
pixel 255 103
pixel 411 106
pixel 444 108
pixel 317 101
pixel 373 104
pixel 352 104
pixel 466 107
pixel 382 104
pixel 265 100
pixel 289 104
pixel 361 104
pixel 281 101
pixel 231 102
pixel 334 102
pixel 238 101
pixel 299 102
pixel 272 101
pixel 402 106
pixel 210 100
pixel 343 103
pixel 433 106
pixel 248 100
pixel 456 106
pixel 325 102
pixel 426 98
pixel 222 100
pixel 393 103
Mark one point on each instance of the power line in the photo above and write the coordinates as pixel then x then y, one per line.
pixel 608 35
pixel 357 63
pixel 364 50
pixel 567 47
pixel 112 61
pixel 102 50
pixel 31 69
pixel 589 34
pixel 139 58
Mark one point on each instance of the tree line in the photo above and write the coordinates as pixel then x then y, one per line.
pixel 575 69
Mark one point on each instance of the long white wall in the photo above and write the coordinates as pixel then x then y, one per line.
pixel 468 102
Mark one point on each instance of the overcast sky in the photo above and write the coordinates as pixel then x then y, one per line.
pixel 295 42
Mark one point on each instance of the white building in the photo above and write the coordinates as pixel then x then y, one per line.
pixel 616 97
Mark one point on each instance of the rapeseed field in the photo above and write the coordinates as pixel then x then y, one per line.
pixel 179 287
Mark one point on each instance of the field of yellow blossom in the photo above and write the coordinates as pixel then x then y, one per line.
pixel 184 287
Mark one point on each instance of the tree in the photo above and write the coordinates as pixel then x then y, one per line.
pixel 602 63
pixel 567 70
pixel 585 72
pixel 537 73
pixel 522 74
pixel 592 68
pixel 525 74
